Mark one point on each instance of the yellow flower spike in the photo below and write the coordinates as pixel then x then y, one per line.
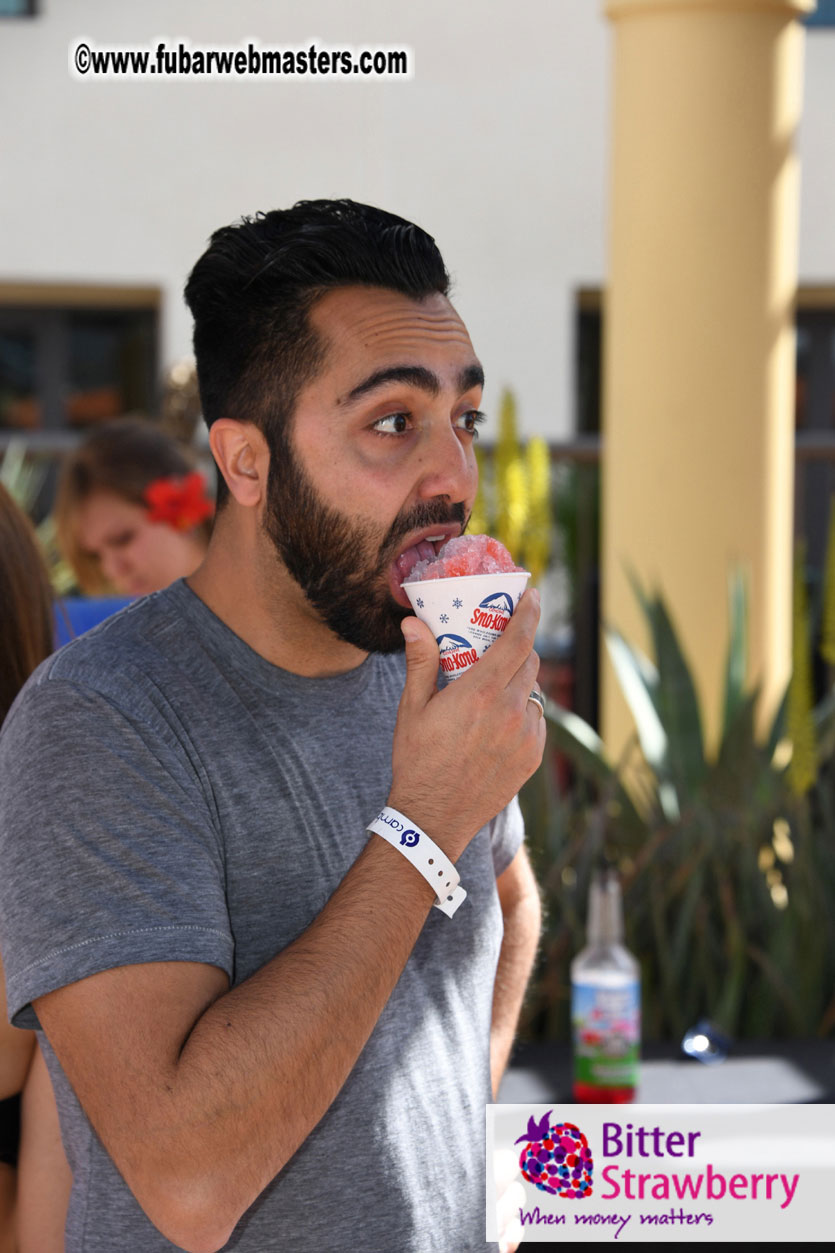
pixel 510 480
pixel 782 840
pixel 480 517
pixel 765 858
pixel 827 646
pixel 782 754
pixel 780 895
pixel 537 548
pixel 516 505
pixel 802 769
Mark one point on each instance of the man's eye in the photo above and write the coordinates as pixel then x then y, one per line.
pixel 122 540
pixel 471 420
pixel 393 424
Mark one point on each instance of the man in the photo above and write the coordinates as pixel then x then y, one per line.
pixel 262 1034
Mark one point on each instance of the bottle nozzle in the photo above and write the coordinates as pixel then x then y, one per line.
pixel 605 922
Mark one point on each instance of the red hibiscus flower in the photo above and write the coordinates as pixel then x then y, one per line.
pixel 179 502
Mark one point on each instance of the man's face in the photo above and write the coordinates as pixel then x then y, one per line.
pixel 378 458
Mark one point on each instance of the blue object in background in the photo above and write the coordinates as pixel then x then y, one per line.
pixel 707 1043
pixel 823 15
pixel 76 614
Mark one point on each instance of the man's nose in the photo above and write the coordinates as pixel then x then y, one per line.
pixel 448 466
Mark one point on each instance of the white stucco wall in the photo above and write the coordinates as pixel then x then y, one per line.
pixel 816 146
pixel 498 146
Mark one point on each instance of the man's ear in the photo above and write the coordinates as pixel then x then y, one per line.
pixel 242 457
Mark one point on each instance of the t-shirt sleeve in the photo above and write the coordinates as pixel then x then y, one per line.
pixel 109 851
pixel 506 836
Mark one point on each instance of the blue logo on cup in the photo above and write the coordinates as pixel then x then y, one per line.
pixel 494 612
pixel 456 653
pixel 499 602
pixel 451 643
pixel 410 838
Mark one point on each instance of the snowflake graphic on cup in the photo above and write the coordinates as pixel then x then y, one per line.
pixel 556 1158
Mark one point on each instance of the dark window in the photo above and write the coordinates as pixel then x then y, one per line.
pixel 578 510
pixel 814 480
pixel 814 415
pixel 815 373
pixel 18 375
pixel 589 370
pixel 70 368
pixel 18 8
pixel 824 15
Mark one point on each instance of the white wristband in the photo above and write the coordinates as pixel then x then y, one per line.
pixel 425 856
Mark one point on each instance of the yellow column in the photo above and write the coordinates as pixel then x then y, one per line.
pixel 699 338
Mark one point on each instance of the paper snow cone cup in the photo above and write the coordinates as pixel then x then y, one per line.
pixel 466 613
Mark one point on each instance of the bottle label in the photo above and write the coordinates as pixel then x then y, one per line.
pixel 607 1031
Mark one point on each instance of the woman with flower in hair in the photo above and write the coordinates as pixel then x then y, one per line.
pixel 132 513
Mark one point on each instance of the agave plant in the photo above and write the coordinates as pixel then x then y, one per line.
pixel 729 876
pixel 24 477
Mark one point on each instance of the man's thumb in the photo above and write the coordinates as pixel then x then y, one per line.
pixel 421 661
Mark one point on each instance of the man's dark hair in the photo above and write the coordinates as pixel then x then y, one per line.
pixel 252 290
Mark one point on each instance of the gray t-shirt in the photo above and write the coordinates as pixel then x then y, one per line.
pixel 168 794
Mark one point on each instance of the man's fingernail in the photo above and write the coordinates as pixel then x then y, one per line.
pixel 409 627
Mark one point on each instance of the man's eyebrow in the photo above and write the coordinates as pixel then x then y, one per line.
pixel 471 376
pixel 416 376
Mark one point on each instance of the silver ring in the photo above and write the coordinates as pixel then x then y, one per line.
pixel 539 701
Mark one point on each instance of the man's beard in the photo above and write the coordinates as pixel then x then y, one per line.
pixel 339 563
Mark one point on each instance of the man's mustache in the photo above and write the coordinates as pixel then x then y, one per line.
pixel 433 513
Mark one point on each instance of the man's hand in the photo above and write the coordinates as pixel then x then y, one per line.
pixel 460 755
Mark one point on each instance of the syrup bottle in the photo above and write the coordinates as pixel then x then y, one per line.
pixel 605 1001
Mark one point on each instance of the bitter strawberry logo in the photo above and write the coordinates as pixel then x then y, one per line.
pixel 557 1158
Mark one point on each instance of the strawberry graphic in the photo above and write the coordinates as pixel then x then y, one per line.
pixel 556 1158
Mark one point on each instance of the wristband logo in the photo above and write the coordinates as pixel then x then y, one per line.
pixel 556 1158
pixel 408 836
pixel 389 820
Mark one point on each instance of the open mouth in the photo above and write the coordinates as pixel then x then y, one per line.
pixel 423 550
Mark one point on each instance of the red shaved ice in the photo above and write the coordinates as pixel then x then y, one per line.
pixel 465 555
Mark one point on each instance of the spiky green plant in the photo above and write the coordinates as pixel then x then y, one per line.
pixel 803 765
pixel 23 477
pixel 480 517
pixel 729 876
